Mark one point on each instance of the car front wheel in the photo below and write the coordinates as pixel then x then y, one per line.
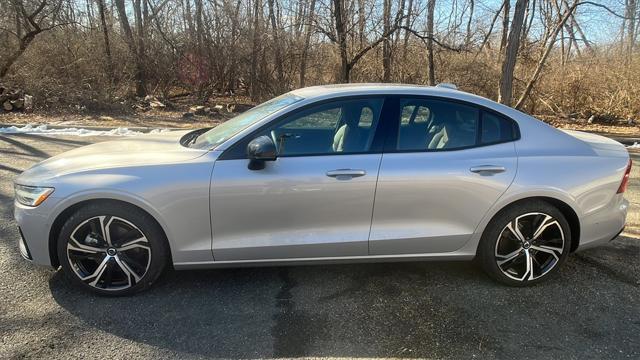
pixel 112 248
pixel 525 244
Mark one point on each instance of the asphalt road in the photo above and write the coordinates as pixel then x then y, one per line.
pixel 408 310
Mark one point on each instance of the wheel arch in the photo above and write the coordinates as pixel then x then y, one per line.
pixel 563 206
pixel 62 216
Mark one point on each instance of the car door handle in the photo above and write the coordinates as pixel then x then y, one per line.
pixel 346 174
pixel 487 169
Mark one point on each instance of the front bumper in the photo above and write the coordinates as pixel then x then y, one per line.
pixel 34 225
pixel 22 245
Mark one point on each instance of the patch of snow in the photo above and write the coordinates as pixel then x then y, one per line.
pixel 635 145
pixel 43 129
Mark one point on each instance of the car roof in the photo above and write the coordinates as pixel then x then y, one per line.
pixel 371 88
pixel 321 92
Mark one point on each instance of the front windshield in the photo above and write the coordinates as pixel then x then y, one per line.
pixel 229 128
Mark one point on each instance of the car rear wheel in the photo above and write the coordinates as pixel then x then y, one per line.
pixel 112 248
pixel 525 243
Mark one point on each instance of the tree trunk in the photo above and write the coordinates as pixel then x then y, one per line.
pixel 361 20
pixel 623 28
pixel 531 14
pixel 189 19
pixel 431 4
pixel 137 9
pixel 506 9
pixel 199 27
pixel 631 27
pixel 307 40
pixel 89 13
pixel 255 50
pixel 18 22
pixel 467 39
pixel 24 43
pixel 407 24
pixel 31 26
pixel 128 36
pixel 345 67
pixel 386 44
pixel 105 36
pixel 511 53
pixel 280 85
pixel 235 23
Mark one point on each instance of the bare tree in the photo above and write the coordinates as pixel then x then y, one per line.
pixel 490 31
pixel 341 39
pixel 468 36
pixel 255 50
pixel 511 53
pixel 631 27
pixel 307 39
pixel 536 74
pixel 141 89
pixel 431 4
pixel 41 18
pixel 506 9
pixel 276 47
pixel 105 36
pixel 386 43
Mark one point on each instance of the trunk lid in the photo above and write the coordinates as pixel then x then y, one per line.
pixel 602 145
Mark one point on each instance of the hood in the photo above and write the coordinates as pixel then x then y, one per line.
pixel 601 145
pixel 135 151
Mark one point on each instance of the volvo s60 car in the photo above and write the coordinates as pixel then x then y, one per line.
pixel 328 174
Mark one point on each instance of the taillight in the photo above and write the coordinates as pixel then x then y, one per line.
pixel 625 179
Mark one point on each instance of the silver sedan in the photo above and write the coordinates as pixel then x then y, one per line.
pixel 328 174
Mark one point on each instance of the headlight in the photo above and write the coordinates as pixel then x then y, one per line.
pixel 32 195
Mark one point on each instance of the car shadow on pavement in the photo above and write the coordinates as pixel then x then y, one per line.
pixel 428 309
pixel 338 310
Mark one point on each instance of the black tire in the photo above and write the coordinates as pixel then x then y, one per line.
pixel 155 246
pixel 488 250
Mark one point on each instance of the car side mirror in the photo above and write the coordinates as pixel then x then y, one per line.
pixel 259 150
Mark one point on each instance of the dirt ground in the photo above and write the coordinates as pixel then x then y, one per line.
pixel 615 130
pixel 150 119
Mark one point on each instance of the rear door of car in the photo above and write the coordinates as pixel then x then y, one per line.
pixel 445 164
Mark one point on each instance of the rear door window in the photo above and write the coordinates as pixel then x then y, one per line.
pixel 427 124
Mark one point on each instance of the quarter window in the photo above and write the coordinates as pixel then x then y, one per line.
pixel 496 129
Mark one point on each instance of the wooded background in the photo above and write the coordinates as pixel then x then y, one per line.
pixel 563 58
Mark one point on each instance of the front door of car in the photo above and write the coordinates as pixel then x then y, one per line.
pixel 447 165
pixel 315 200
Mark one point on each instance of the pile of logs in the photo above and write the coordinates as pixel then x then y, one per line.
pixel 15 100
pixel 149 102
pixel 218 109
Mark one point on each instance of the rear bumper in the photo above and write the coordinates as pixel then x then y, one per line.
pixel 605 224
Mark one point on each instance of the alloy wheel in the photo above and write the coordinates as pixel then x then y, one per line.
pixel 529 246
pixel 109 253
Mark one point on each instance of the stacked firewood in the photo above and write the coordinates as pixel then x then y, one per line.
pixel 15 100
